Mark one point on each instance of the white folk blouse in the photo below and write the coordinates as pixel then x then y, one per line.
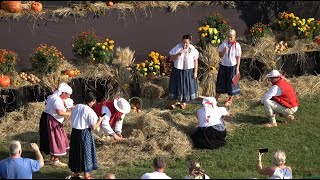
pixel 185 60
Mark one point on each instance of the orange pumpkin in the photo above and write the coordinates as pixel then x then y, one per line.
pixel 70 73
pixel 110 3
pixel 11 6
pixel 4 81
pixel 36 6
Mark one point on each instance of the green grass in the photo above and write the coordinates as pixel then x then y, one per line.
pixel 300 141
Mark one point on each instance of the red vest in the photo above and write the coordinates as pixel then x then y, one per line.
pixel 288 97
pixel 115 114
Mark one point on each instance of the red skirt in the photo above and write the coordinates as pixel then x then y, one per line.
pixel 58 140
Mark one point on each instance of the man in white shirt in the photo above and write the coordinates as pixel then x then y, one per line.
pixel 280 98
pixel 159 166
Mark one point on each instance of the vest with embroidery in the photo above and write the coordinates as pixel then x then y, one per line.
pixel 115 114
pixel 288 97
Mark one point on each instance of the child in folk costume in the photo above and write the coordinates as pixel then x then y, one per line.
pixel 211 132
pixel 53 138
pixel 82 156
pixel 115 112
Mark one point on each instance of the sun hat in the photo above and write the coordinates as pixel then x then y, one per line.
pixel 122 105
pixel 209 101
pixel 273 73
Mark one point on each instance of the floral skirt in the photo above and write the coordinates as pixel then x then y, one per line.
pixel 82 156
pixel 182 85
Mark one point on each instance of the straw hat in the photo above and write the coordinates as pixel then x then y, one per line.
pixel 273 73
pixel 122 105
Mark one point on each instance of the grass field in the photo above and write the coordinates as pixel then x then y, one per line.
pixel 237 159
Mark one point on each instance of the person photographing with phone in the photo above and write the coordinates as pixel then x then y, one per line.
pixel 279 170
pixel 82 155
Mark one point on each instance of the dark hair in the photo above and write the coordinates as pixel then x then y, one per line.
pixel 89 97
pixel 187 36
pixel 159 162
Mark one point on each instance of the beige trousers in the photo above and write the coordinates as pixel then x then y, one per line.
pixel 272 107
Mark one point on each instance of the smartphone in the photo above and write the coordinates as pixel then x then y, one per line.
pixel 263 150
pixel 103 114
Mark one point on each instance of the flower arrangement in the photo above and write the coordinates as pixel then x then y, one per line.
pixel 46 59
pixel 102 52
pixel 83 43
pixel 259 30
pixel 151 66
pixel 213 30
pixel 303 28
pixel 8 60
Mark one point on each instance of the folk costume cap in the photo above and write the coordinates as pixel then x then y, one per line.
pixel 273 73
pixel 64 87
pixel 122 105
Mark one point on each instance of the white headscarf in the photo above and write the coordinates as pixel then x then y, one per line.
pixel 209 103
pixel 64 87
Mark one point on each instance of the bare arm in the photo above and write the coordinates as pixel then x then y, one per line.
pixel 175 57
pixel 39 156
pixel 268 171
pixel 195 73
pixel 95 126
pixel 238 64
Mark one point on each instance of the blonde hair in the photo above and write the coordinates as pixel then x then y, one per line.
pixel 232 32
pixel 195 171
pixel 14 147
pixel 279 158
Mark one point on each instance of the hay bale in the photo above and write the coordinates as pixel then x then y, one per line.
pixel 124 57
pixel 152 91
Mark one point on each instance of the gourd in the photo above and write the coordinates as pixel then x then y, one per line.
pixel 4 81
pixel 36 6
pixel 11 6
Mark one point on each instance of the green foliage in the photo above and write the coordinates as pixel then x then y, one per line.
pixel 258 31
pixel 103 52
pixel 214 29
pixel 46 59
pixel 83 42
pixel 8 60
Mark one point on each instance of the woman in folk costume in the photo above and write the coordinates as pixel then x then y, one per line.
pixel 115 112
pixel 183 84
pixel 82 155
pixel 53 138
pixel 211 132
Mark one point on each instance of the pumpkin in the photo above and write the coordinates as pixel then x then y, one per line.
pixel 11 6
pixel 110 3
pixel 4 81
pixel 36 6
pixel 70 72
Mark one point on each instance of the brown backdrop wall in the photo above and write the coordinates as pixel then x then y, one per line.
pixel 145 30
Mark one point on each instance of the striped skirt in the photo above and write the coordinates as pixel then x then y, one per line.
pixel 44 133
pixel 58 140
pixel 224 81
pixel 82 156
pixel 182 85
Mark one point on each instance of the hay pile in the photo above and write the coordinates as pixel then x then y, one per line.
pixel 153 91
pixel 149 134
pixel 208 70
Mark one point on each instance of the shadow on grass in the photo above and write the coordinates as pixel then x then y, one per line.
pixel 27 137
pixel 250 119
pixel 51 175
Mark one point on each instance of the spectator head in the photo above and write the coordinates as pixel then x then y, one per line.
pixel 279 158
pixel 159 163
pixel 195 170
pixel 186 40
pixel 15 147
pixel 109 176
